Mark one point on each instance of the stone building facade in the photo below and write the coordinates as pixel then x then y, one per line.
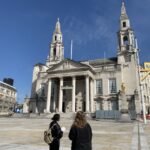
pixel 8 97
pixel 145 81
pixel 65 85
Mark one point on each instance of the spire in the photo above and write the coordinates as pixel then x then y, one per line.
pixel 124 20
pixel 56 48
pixel 123 11
pixel 125 34
pixel 57 27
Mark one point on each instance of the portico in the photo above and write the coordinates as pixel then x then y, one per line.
pixel 70 93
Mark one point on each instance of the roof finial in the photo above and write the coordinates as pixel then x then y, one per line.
pixel 123 10
pixel 57 28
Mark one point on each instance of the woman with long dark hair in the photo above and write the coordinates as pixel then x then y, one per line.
pixel 56 132
pixel 81 133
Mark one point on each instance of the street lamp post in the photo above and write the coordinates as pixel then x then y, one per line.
pixel 140 82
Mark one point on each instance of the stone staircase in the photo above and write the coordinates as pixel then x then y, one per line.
pixel 41 116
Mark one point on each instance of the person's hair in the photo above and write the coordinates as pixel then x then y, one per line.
pixel 80 119
pixel 56 117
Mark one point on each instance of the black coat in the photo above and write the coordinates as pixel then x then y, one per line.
pixel 57 134
pixel 81 137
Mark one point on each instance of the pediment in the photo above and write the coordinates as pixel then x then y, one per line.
pixel 67 64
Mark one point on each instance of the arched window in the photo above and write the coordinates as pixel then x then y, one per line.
pixel 54 52
pixel 124 24
pixel 145 99
pixel 125 40
pixel 55 38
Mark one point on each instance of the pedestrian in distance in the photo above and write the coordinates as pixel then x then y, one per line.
pixel 57 133
pixel 80 133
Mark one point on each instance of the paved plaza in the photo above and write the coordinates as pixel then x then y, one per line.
pixel 27 134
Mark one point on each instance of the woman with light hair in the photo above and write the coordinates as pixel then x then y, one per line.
pixel 80 133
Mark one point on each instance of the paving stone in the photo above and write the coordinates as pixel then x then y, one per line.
pixel 27 134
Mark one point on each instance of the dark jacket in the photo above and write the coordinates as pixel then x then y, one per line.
pixel 81 138
pixel 57 134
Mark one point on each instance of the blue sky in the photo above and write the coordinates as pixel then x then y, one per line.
pixel 26 28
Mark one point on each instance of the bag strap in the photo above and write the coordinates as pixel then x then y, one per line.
pixel 52 126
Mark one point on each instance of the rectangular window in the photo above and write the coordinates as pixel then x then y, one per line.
pixel 42 89
pixel 112 86
pixel 42 85
pixel 124 24
pixel 99 87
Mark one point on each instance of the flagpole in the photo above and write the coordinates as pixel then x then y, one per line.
pixel 71 49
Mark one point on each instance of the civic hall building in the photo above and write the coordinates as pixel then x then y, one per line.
pixel 65 85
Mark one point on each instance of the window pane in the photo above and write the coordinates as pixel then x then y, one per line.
pixel 124 24
pixel 99 89
pixel 112 85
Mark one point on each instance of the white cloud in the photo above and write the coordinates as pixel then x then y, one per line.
pixel 82 32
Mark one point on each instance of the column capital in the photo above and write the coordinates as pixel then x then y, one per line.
pixel 49 79
pixel 73 77
pixel 61 78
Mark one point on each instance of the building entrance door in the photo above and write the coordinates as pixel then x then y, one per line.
pixel 63 107
pixel 84 106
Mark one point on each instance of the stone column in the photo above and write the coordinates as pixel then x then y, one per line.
pixel 92 95
pixel 94 86
pixel 87 93
pixel 55 96
pixel 49 96
pixel 73 93
pixel 121 40
pixel 60 95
